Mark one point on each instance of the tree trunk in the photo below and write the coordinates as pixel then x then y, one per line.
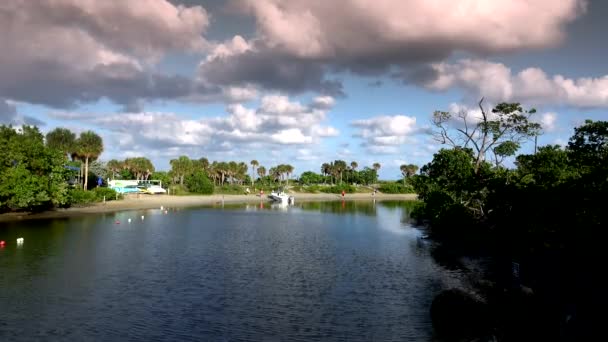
pixel 86 172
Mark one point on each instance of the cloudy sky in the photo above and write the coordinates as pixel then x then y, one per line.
pixel 295 81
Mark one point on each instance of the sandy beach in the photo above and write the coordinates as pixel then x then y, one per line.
pixel 156 201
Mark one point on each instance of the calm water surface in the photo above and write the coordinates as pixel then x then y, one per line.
pixel 333 271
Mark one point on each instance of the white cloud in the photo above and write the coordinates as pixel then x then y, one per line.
pixel 498 83
pixel 306 155
pixel 549 121
pixel 382 134
pixel 291 136
pixel 311 29
pixel 277 122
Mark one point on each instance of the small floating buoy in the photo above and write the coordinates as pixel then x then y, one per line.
pixel 20 241
pixel 117 222
pixel 142 217
pixel 129 220
pixel 161 207
pixel 166 212
pixel 2 243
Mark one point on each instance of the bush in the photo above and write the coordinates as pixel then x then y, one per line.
pixel 396 188
pixel 109 194
pixel 80 197
pixel 198 183
pixel 232 189
pixel 337 189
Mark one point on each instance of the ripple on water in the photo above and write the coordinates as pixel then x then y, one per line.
pixel 220 275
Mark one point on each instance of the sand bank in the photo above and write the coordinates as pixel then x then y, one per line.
pixel 156 201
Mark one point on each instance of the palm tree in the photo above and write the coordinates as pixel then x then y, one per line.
pixel 254 163
pixel 261 172
pixel 88 146
pixel 376 166
pixel 288 171
pixel 181 167
pixel 326 169
pixel 114 166
pixel 354 165
pixel 61 139
pixel 339 167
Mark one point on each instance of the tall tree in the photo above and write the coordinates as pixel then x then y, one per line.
pixel 376 166
pixel 339 168
pixel 254 164
pixel 502 131
pixel 141 167
pixel 288 171
pixel 261 172
pixel 89 146
pixel 61 139
pixel 408 170
pixel 181 167
pixel 114 166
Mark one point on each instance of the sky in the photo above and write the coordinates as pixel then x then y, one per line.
pixel 302 82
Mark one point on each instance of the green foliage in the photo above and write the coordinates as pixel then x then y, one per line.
pixel 61 139
pixel 548 215
pixel 32 174
pixel 396 188
pixel 162 176
pixel 107 193
pixel 81 197
pixel 309 177
pixel 337 189
pixel 198 183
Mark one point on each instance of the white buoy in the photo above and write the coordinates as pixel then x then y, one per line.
pixel 20 241
pixel 142 217
pixel 161 207
pixel 129 220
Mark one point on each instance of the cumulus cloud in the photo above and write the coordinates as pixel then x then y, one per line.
pixel 366 30
pixel 277 122
pixel 300 41
pixel 497 82
pixel 383 134
pixel 549 121
pixel 61 53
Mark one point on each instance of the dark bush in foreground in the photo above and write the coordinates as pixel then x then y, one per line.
pixel 457 314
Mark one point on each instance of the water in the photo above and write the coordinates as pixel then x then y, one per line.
pixel 353 271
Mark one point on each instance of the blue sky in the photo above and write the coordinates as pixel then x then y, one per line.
pixel 298 82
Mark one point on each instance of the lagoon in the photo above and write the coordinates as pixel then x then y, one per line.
pixel 316 271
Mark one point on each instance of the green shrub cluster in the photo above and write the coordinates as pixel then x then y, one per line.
pixel 198 183
pixel 337 189
pixel 81 197
pixel 396 188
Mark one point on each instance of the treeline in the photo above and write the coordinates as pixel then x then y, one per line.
pixel 35 171
pixel 540 224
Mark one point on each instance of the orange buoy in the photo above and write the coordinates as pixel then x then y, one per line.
pixel 2 243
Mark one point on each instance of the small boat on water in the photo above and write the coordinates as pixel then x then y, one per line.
pixel 280 196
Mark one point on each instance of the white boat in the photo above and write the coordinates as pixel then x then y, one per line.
pixel 280 196
pixel 155 189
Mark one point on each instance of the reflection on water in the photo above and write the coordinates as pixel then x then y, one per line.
pixel 353 270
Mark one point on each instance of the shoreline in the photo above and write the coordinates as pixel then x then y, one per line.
pixel 170 201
